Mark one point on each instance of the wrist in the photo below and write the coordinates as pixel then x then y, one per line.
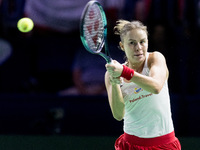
pixel 127 73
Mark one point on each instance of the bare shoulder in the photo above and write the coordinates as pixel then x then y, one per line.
pixel 156 55
pixel 156 58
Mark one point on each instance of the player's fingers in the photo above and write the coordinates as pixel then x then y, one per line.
pixel 110 71
pixel 112 64
pixel 109 68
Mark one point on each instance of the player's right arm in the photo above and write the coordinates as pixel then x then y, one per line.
pixel 115 98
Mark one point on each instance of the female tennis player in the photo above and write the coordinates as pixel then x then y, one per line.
pixel 138 93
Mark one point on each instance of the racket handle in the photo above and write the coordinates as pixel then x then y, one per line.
pixel 110 62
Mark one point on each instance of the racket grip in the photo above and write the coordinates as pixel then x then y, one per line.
pixel 110 62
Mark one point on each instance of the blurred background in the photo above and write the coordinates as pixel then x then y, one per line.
pixel 52 93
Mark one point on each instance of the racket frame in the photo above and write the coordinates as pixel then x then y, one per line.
pixel 103 43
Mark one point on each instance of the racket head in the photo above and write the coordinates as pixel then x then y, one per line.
pixel 93 27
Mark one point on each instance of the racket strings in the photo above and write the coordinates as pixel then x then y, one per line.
pixel 94 28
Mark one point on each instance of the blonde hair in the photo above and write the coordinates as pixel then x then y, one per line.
pixel 124 26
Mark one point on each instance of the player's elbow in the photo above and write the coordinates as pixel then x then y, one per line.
pixel 156 90
pixel 118 118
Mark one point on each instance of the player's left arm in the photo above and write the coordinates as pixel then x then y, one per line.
pixel 157 76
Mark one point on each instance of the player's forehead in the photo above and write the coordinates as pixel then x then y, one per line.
pixel 135 34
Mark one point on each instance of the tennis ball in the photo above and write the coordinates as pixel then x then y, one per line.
pixel 25 25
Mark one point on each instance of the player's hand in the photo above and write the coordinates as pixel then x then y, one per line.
pixel 114 80
pixel 114 68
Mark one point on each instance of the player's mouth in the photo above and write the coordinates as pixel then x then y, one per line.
pixel 138 55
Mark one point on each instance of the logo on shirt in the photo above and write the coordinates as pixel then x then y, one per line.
pixel 140 97
pixel 137 90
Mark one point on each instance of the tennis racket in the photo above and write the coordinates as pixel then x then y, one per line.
pixel 93 30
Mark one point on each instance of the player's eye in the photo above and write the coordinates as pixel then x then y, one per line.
pixel 132 43
pixel 142 42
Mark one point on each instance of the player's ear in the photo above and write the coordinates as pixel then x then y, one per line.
pixel 121 46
